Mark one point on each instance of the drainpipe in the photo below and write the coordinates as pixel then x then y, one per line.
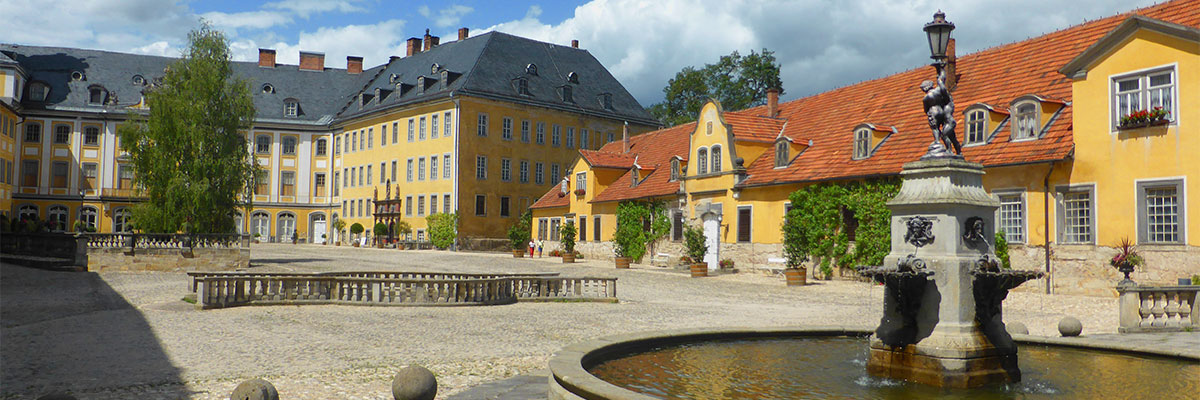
pixel 1046 220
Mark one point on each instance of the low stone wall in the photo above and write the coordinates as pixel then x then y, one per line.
pixel 1084 270
pixel 483 244
pixel 199 259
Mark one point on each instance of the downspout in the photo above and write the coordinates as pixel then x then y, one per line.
pixel 1046 220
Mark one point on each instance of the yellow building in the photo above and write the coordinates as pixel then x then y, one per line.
pixel 1042 115
pixel 329 141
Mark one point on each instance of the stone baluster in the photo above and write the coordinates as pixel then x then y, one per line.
pixel 1144 310
pixel 1186 302
pixel 1159 310
pixel 1172 310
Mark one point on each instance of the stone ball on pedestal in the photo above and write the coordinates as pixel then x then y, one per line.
pixel 414 382
pixel 1016 328
pixel 254 389
pixel 1069 326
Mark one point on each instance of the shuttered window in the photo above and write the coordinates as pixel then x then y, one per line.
pixel 677 226
pixel 582 228
pixel 743 224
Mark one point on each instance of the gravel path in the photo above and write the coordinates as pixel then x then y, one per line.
pixel 127 335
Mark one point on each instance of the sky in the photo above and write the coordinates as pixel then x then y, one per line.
pixel 820 44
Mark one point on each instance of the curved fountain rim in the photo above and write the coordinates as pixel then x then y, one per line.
pixel 569 379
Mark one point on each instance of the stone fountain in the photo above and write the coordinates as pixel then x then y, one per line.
pixel 942 322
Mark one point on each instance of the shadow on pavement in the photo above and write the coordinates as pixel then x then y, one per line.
pixel 70 331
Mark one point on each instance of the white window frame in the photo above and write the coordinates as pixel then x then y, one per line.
pixel 862 143
pixel 421 168
pixel 1015 122
pixel 979 122
pixel 1143 91
pixel 524 171
pixel 506 128
pixel 505 169
pixel 446 166
pixel 541 133
pixel 482 128
pixel 481 167
pixel 702 161
pixel 1020 193
pixel 714 153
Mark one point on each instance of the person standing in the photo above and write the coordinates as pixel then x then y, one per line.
pixel 540 244
pixel 530 248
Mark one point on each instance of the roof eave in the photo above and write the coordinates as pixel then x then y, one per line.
pixel 1077 67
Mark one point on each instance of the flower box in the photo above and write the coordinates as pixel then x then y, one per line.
pixel 579 192
pixel 1143 118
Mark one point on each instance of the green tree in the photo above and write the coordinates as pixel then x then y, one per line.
pixel 817 226
pixel 443 229
pixel 188 152
pixel 737 81
pixel 520 233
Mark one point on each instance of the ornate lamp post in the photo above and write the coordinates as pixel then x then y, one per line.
pixel 939 105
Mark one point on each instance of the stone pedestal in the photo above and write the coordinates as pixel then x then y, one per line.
pixel 933 331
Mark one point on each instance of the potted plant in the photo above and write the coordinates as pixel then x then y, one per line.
pixel 795 252
pixel 340 227
pixel 580 192
pixel 381 232
pixel 567 238
pixel 295 237
pixel 356 229
pixel 1126 259
pixel 324 241
pixel 695 247
pixel 518 239
pixel 726 264
pixel 403 229
pixel 256 237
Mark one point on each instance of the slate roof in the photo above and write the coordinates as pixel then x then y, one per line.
pixel 487 66
pixel 320 93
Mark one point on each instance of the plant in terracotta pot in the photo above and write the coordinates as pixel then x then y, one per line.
pixel 381 232
pixel 567 239
pixel 356 229
pixel 518 238
pixel 795 251
pixel 695 246
pixel 1126 259
pixel 339 226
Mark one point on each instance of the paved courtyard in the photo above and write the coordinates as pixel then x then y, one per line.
pixel 126 335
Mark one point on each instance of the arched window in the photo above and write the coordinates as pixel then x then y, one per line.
pixel 28 212
pixel 716 158
pixel 1027 121
pixel 286 226
pixel 260 225
pixel 781 153
pixel 289 145
pixel 322 146
pixel 121 221
pixel 57 217
pixel 702 161
pixel 862 143
pixel 89 217
pixel 262 144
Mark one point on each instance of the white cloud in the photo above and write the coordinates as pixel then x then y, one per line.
pixel 305 8
pixel 159 48
pixel 249 19
pixel 449 16
pixel 374 42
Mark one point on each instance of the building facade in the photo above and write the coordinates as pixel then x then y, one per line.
pixel 1044 116
pixel 478 126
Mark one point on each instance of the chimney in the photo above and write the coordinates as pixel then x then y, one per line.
pixel 463 32
pixel 951 71
pixel 773 102
pixel 575 43
pixel 312 61
pixel 413 46
pixel 266 58
pixel 430 41
pixel 353 64
pixel 625 138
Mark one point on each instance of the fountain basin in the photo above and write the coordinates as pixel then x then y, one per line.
pixel 828 362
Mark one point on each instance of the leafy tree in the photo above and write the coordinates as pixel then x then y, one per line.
pixel 567 237
pixel 519 234
pixel 694 243
pixel 795 243
pixel 631 236
pixel 339 225
pixel 403 228
pixel 1002 250
pixel 443 229
pixel 380 230
pixel 737 81
pixel 188 152
pixel 815 227
pixel 357 228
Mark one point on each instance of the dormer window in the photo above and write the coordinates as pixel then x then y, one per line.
pixel 1027 122
pixel 96 95
pixel 567 94
pixel 523 86
pixel 573 77
pixel 38 91
pixel 138 80
pixel 636 175
pixel 531 69
pixel 267 88
pixel 421 84
pixel 77 76
pixel 433 69
pixel 976 129
pixel 445 79
pixel 862 143
pixel 393 78
pixel 291 108
pixel 606 101
pixel 702 161
pixel 782 155
pixel 675 169
pixel 716 159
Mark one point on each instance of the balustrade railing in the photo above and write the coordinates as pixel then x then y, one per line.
pixel 166 240
pixel 1158 308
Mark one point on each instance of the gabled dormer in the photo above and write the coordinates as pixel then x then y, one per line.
pixel 868 137
pixel 1031 115
pixel 981 123
pixel 787 149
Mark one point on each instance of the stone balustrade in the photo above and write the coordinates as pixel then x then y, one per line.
pixel 1158 308
pixel 219 290
pixel 166 240
pixel 43 249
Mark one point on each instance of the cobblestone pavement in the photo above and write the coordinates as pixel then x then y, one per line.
pixel 128 335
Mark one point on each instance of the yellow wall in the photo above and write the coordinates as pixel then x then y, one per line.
pixel 8 126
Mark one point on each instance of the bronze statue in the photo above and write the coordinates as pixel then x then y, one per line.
pixel 939 107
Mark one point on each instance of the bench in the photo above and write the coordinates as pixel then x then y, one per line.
pixel 661 260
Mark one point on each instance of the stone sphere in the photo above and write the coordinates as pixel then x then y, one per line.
pixel 1069 326
pixel 414 383
pixel 57 396
pixel 254 389
pixel 1016 328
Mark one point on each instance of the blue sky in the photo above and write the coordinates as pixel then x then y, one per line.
pixel 820 44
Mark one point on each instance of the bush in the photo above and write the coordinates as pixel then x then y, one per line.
pixel 1002 250
pixel 795 244
pixel 556 253
pixel 694 243
pixel 403 229
pixel 519 234
pixel 567 237
pixel 631 236
pixel 357 228
pixel 443 229
pixel 380 230
pixel 726 263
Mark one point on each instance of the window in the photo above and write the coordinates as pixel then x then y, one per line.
pixel 287 183
pixel 708 128
pixel 524 172
pixel 289 145
pixel 91 136
pixel 420 205
pixel 542 226
pixel 352 141
pixel 29 172
pixel 369 175
pixel 531 69
pixel 58 176
pixel 370 140
pixel 446 203
pixel 975 127
pixel 360 208
pixel 421 129
pixel 57 217
pixel 408 206
pixel 394 168
pixel 446 124
pixel 433 127
pixel 677 225
pixel 523 86
pixel 262 181
pixel 583 139
pixel 350 176
pixel 1012 217
pixel 1027 121
pixel 383 135
pixel 286 226
pixel 433 167
pixel 409 176
pixel 96 95
pixel 570 137
pixel 524 131
pixel 360 177
pixel 89 216
pixel 554 174
pixel 862 143
pixel 89 175
pixel 395 132
pixel 62 134
pixel 537 174
pixel 446 166
pixel 412 129
pixel 421 169
pixel 541 133
pixel 383 172
pixel 1161 218
pixel 482 129
pixel 555 231
pixel 1075 215
pixel 567 94
pixel 291 108
pixel 716 159
pixel 505 169
pixel 556 136
pixel 781 153
pixel 125 176
pixel 504 200
pixel 849 223
pixel 582 228
pixel 702 161
pixel 743 230
pixel 322 147
pixel 581 181
pixel 480 167
pixel 28 211
pixel 38 91
pixel 674 169
pixel 480 205
pixel 33 132
pixel 1145 91
pixel 121 220
pixel 337 146
pixel 596 228
pixel 433 204
pixel 612 136
pixel 506 128
pixel 262 144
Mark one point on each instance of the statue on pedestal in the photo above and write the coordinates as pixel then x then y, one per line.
pixel 939 107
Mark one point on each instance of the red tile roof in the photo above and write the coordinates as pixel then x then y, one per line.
pixel 654 151
pixel 748 126
pixel 552 199
pixel 601 159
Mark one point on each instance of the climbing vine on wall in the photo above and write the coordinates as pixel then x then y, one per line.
pixel 631 235
pixel 815 225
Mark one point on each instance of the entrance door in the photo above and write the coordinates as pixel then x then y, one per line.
pixel 712 231
pixel 318 229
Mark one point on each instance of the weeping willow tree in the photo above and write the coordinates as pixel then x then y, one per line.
pixel 188 152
